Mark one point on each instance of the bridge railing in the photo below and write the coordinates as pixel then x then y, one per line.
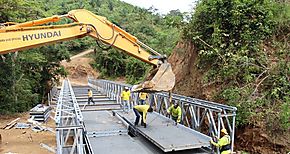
pixel 204 116
pixel 69 122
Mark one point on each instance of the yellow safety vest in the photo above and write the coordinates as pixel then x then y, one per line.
pixel 223 142
pixel 175 112
pixel 90 93
pixel 142 96
pixel 143 109
pixel 126 95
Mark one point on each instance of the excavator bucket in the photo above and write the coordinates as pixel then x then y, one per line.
pixel 159 79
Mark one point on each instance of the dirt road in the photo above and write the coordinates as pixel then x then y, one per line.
pixel 79 68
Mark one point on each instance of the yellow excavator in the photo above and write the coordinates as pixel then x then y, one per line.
pixel 19 36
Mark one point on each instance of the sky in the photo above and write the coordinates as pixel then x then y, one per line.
pixel 164 6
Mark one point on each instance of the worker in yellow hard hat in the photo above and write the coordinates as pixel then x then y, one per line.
pixel 175 111
pixel 224 143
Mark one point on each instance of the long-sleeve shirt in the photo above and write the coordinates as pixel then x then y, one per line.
pixel 143 109
pixel 225 140
pixel 175 112
pixel 125 95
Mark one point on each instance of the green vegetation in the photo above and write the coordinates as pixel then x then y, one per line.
pixel 160 33
pixel 244 45
pixel 26 77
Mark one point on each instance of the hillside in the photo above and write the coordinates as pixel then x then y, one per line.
pixel 257 138
pixel 231 52
pixel 239 55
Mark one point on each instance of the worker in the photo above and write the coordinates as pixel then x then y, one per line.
pixel 141 110
pixel 125 96
pixel 175 111
pixel 223 143
pixel 142 98
pixel 90 96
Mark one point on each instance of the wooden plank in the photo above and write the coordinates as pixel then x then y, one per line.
pixel 11 122
pixel 50 149
pixel 11 125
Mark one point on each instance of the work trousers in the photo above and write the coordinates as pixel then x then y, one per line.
pixel 138 115
pixel 126 105
pixel 142 102
pixel 174 118
pixel 90 99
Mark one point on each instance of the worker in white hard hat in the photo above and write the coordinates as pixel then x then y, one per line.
pixel 125 96
pixel 224 143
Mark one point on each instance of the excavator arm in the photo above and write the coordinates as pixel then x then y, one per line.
pixel 19 36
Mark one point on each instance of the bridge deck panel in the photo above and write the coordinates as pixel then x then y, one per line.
pixel 164 134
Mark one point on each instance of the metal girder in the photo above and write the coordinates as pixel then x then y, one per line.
pixel 195 111
pixel 69 122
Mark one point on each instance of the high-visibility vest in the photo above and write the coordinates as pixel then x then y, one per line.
pixel 125 95
pixel 90 93
pixel 143 96
pixel 143 109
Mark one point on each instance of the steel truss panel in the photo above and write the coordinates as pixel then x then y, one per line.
pixel 197 114
pixel 69 122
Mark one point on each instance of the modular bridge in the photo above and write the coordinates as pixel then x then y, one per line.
pixel 104 128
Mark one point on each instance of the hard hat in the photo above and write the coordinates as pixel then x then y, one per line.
pixel 126 88
pixel 224 131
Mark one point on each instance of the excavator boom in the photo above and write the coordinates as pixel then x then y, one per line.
pixel 32 34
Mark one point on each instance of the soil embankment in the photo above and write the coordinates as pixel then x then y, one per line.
pixel 189 82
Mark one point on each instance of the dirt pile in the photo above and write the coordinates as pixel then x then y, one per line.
pixel 79 69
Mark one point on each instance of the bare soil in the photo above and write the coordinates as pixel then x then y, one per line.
pixel 258 140
pixel 189 82
pixel 19 140
pixel 188 75
pixel 79 68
